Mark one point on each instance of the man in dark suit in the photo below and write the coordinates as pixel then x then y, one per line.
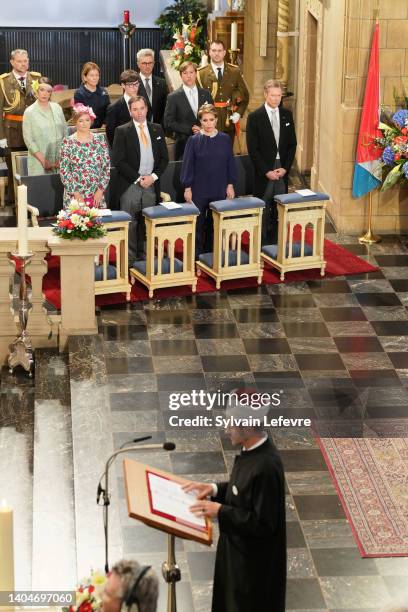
pixel 140 157
pixel 271 142
pixel 152 87
pixel 118 113
pixel 180 116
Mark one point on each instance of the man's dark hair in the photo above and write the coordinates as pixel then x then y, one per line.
pixel 136 99
pixel 217 41
pixel 129 76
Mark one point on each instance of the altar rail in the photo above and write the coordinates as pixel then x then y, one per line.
pixel 77 315
pixel 59 53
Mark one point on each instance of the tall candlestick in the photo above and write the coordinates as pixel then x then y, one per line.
pixel 6 548
pixel 216 6
pixel 126 16
pixel 234 35
pixel 22 219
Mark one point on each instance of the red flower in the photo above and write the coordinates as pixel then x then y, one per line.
pixel 193 34
pixel 91 587
pixel 397 156
pixel 400 140
pixel 89 224
pixel 70 225
pixel 404 130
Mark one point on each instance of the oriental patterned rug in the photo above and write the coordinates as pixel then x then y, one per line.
pixel 371 478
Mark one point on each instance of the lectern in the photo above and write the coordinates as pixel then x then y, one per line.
pixel 151 496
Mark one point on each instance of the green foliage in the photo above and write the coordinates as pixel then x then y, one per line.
pixel 393 177
pixel 182 11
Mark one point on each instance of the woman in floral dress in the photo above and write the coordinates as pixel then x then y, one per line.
pixel 84 162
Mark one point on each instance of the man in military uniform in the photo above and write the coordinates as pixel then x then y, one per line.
pixel 16 93
pixel 227 87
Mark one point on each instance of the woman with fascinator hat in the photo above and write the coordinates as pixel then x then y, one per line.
pixel 84 162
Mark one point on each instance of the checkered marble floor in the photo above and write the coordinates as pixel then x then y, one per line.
pixel 334 347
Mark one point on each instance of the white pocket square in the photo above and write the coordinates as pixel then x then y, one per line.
pixel 287 124
pixel 158 138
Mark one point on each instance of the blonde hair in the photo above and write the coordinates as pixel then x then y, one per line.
pixel 272 83
pixel 207 108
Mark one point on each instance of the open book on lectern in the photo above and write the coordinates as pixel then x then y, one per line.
pixel 157 499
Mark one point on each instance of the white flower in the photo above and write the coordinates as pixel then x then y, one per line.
pixel 188 49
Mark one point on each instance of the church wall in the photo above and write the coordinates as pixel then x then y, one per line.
pixel 259 69
pixel 345 54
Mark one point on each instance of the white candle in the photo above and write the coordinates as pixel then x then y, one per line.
pixel 216 6
pixel 6 548
pixel 234 35
pixel 22 220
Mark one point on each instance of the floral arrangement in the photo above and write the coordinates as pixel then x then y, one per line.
pixel 89 594
pixel 394 146
pixel 79 221
pixel 185 47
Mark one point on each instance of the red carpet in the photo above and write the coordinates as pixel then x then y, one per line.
pixel 339 262
pixel 370 475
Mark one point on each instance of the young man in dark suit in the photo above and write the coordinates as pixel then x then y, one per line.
pixel 140 157
pixel 118 113
pixel 152 87
pixel 180 116
pixel 271 142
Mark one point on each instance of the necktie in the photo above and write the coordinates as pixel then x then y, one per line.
pixel 143 136
pixel 22 85
pixel 148 89
pixel 193 102
pixel 275 126
pixel 219 75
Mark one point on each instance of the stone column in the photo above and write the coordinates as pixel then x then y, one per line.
pixel 40 324
pixel 260 21
pixel 77 285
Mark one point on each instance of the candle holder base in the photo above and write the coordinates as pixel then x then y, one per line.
pixel 21 353
pixel 233 53
pixel 21 350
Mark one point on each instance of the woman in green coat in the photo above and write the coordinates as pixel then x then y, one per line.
pixel 44 128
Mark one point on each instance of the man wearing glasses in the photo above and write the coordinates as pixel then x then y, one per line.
pixel 118 112
pixel 152 87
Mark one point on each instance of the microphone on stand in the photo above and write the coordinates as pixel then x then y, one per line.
pixel 104 492
pixel 100 490
pixel 136 440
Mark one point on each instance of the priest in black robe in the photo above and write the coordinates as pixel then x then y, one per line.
pixel 250 567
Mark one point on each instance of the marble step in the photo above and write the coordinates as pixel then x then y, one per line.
pixel 16 460
pixel 53 487
pixel 92 444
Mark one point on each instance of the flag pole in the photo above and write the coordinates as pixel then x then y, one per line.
pixel 369 237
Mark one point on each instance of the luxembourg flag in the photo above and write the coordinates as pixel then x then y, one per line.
pixel 367 169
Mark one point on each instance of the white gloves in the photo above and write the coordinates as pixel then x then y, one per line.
pixel 235 117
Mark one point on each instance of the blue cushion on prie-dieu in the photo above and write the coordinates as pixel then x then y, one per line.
pixel 294 198
pixel 237 204
pixel 111 273
pixel 140 266
pixel 117 215
pixel 272 250
pixel 161 212
pixel 207 258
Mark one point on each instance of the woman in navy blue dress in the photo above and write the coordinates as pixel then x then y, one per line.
pixel 208 173
pixel 90 93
